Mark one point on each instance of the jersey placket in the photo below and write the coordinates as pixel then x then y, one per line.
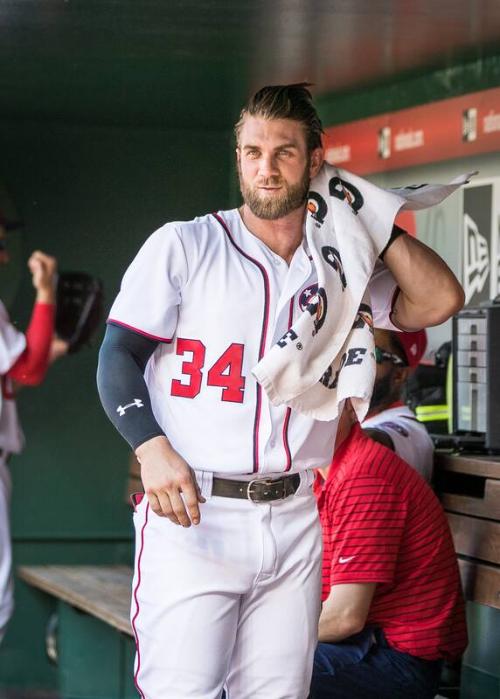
pixel 275 425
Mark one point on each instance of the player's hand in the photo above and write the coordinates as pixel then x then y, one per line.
pixel 58 348
pixel 169 482
pixel 43 270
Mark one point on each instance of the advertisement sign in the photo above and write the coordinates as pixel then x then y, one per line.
pixel 481 241
pixel 453 128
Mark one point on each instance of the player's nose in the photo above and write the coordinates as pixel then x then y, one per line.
pixel 267 166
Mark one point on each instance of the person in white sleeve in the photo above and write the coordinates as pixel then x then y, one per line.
pixel 389 420
pixel 24 358
pixel 234 600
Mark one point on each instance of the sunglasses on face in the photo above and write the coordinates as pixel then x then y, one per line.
pixel 384 356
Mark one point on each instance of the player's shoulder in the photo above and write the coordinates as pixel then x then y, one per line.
pixel 392 419
pixel 200 229
pixel 203 224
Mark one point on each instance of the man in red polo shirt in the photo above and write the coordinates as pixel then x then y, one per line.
pixel 392 603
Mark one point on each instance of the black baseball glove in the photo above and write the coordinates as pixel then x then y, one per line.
pixel 80 308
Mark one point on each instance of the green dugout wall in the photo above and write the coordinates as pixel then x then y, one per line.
pixel 90 196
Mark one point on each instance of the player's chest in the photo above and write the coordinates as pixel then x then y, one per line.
pixel 246 296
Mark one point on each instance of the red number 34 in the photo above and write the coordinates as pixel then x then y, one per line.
pixel 225 373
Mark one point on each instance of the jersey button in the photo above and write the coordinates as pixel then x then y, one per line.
pixel 277 261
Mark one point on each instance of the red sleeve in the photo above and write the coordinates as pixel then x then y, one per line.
pixel 31 366
pixel 368 524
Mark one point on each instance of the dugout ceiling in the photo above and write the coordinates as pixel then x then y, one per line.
pixel 169 63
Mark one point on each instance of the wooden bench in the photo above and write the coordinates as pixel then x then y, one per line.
pixel 103 591
pixel 469 489
pixel 95 645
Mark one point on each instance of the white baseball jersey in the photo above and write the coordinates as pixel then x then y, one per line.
pixel 410 438
pixel 217 298
pixel 12 345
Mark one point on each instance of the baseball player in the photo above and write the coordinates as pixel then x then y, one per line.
pixel 24 359
pixel 234 601
pixel 389 420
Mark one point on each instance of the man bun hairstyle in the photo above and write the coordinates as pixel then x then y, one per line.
pixel 285 102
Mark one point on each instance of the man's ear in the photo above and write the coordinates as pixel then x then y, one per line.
pixel 317 158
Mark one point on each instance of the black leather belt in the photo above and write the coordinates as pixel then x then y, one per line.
pixel 257 490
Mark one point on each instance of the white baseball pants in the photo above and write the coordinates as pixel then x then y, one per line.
pixel 6 586
pixel 233 602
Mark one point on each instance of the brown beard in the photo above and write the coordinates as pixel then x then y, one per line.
pixel 384 393
pixel 272 208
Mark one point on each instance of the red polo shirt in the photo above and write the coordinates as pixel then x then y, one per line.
pixel 383 524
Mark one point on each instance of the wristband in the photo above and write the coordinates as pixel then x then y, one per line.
pixel 396 232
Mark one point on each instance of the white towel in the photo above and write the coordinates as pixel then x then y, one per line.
pixel 328 353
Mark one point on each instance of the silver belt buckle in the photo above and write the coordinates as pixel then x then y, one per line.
pixel 261 481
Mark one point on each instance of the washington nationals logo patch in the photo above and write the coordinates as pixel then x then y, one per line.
pixel 332 257
pixel 317 207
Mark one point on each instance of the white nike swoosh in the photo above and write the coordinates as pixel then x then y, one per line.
pixel 346 560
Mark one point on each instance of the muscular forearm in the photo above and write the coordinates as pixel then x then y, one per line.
pixel 430 292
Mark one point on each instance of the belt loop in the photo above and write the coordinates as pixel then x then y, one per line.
pixel 205 482
pixel 306 481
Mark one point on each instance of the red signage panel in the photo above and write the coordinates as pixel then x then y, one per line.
pixel 452 128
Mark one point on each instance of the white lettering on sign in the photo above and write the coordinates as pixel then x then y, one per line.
pixel 338 154
pixel 491 122
pixel 476 259
pixel 406 140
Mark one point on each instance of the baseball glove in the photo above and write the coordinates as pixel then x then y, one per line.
pixel 80 308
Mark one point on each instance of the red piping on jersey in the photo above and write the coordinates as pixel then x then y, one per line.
pixel 166 340
pixel 288 410
pixel 265 322
pixel 139 577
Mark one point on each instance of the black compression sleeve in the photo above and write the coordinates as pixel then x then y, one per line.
pixel 396 232
pixel 122 388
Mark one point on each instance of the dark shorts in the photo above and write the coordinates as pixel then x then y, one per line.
pixel 364 666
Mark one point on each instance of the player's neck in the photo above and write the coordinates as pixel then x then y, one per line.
pixel 283 236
